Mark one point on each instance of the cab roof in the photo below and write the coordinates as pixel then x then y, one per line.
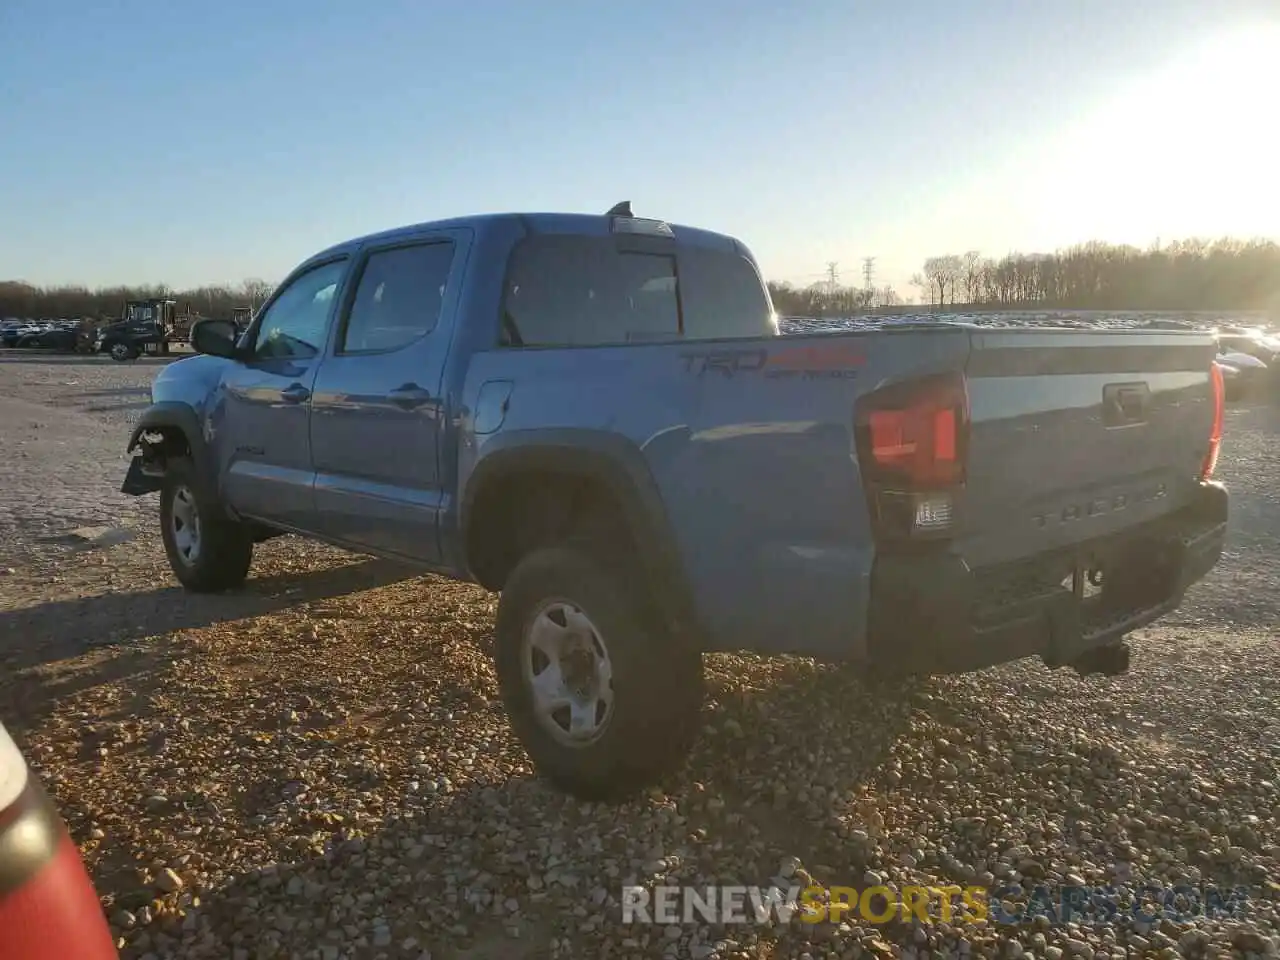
pixel 533 223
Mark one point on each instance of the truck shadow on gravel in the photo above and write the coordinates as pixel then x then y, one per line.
pixel 33 638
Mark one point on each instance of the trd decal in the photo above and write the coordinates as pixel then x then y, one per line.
pixel 725 362
pixel 840 361
pixel 837 357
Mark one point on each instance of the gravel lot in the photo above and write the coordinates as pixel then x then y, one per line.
pixel 318 767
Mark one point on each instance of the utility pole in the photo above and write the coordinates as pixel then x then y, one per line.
pixel 833 276
pixel 868 271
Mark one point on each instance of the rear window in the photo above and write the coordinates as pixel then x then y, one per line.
pixel 584 291
pixel 723 296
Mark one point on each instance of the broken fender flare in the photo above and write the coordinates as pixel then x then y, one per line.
pixel 170 415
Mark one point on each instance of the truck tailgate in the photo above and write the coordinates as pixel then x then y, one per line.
pixel 1076 436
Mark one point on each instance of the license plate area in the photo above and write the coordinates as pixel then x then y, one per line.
pixel 1091 584
pixel 1086 579
pixel 1089 589
pixel 1122 581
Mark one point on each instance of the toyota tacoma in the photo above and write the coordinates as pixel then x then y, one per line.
pixel 597 416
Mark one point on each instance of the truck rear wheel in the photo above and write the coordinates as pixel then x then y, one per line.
pixel 207 550
pixel 605 701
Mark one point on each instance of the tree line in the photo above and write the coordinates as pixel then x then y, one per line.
pixel 1185 275
pixel 18 299
pixel 826 299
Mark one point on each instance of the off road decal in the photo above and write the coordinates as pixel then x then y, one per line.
pixel 808 362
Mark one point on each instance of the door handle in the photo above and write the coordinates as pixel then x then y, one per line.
pixel 295 393
pixel 409 396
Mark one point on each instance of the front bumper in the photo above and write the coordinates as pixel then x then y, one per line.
pixel 933 614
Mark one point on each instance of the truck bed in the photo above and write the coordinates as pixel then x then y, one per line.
pixel 1075 438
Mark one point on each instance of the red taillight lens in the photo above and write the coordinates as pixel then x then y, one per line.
pixel 1215 434
pixel 912 436
pixel 912 439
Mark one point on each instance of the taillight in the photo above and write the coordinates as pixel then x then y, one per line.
pixel 1215 434
pixel 912 440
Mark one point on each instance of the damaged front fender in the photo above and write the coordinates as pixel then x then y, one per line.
pixel 166 430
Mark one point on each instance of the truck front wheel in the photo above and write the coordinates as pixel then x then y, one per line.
pixel 605 701
pixel 121 351
pixel 207 550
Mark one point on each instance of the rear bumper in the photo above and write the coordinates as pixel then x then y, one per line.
pixel 933 614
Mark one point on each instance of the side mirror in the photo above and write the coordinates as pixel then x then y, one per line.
pixel 215 337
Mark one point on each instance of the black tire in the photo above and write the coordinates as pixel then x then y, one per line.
pixel 121 351
pixel 656 677
pixel 223 548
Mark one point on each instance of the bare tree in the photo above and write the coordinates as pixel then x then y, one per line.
pixel 1194 274
pixel 255 291
pixel 971 276
pixel 924 286
pixel 943 273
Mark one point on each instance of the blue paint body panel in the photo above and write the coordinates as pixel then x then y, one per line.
pixel 746 443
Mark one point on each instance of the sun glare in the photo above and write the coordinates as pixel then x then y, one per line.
pixel 1188 150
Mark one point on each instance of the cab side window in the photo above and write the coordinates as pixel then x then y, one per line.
pixel 398 299
pixel 296 322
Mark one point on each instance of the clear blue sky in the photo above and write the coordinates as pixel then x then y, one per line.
pixel 180 142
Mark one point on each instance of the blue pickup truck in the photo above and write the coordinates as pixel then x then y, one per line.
pixel 597 416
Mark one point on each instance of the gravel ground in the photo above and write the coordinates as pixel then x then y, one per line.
pixel 318 766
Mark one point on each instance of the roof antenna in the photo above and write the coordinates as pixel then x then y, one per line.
pixel 622 209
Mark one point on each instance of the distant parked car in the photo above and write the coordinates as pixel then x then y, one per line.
pixel 1259 345
pixel 59 338
pixel 1248 377
pixel 1163 323
pixel 10 334
pixel 1230 379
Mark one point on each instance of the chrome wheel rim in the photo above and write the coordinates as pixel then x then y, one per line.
pixel 184 524
pixel 568 673
pixel 119 351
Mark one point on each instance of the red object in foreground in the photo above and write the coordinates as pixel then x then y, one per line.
pixel 48 907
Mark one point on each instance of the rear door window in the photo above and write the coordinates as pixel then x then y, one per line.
pixel 398 298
